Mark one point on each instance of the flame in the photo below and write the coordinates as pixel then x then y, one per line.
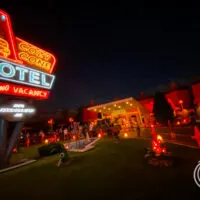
pixel 159 138
pixel 46 141
pixel 125 135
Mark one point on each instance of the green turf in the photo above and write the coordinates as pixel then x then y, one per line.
pixel 25 153
pixel 110 171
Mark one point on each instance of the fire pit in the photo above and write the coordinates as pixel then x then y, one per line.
pixel 162 160
pixel 158 156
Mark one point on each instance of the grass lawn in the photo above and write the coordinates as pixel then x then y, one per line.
pixel 110 171
pixel 25 153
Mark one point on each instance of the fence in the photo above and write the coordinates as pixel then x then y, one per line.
pixel 181 135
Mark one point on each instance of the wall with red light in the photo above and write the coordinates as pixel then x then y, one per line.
pixel 89 115
pixel 196 93
pixel 179 95
pixel 173 98
pixel 148 103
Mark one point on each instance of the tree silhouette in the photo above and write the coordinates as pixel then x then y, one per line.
pixel 162 109
pixel 79 115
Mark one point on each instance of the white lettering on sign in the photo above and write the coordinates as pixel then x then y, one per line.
pixel 24 75
pixel 18 115
pixel 17 110
pixel 4 88
pixel 18 106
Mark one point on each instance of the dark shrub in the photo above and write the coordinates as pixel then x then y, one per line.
pixel 51 149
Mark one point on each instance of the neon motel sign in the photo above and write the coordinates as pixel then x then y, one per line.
pixel 14 48
pixel 19 90
pixel 25 69
pixel 4 48
pixel 34 56
pixel 7 43
pixel 21 74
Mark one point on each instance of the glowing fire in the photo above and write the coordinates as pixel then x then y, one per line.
pixel 125 135
pixel 156 145
pixel 159 138
pixel 46 141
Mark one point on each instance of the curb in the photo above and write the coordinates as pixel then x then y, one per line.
pixel 65 144
pixel 83 150
pixel 87 147
pixel 92 143
pixel 17 166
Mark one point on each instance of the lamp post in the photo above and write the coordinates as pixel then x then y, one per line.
pixel 50 122
pixel 181 103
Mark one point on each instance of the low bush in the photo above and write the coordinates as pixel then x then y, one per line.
pixel 51 149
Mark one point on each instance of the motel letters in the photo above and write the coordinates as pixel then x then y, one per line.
pixel 21 74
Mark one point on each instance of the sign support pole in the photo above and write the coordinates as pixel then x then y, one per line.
pixel 3 140
pixel 16 132
pixel 7 144
pixel 3 137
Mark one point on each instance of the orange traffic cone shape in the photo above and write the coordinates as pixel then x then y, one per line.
pixel 101 132
pixel 196 135
pixel 153 132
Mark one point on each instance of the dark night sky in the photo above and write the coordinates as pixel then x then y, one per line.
pixel 106 51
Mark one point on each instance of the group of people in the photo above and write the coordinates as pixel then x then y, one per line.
pixel 76 130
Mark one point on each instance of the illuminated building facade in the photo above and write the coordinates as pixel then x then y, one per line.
pixel 179 98
pixel 127 112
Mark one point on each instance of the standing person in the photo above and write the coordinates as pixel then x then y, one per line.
pixel 76 130
pixel 19 141
pixel 73 132
pixel 28 139
pixel 84 130
pixel 90 129
pixel 61 133
pixel 42 136
pixel 55 136
pixel 80 130
pixel 65 133
pixel 116 132
pixel 70 131
pixel 138 130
